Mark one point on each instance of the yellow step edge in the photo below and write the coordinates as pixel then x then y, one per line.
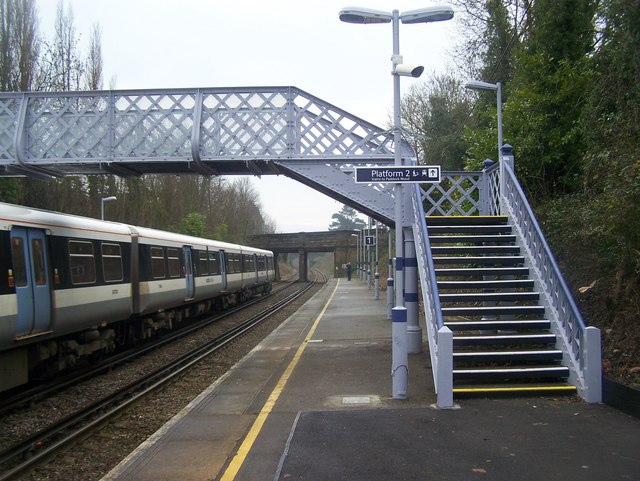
pixel 513 389
pixel 465 216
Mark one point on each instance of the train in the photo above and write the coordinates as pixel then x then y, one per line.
pixel 74 287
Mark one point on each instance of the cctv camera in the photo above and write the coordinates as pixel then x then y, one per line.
pixel 409 70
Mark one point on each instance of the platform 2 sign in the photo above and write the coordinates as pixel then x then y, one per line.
pixel 404 174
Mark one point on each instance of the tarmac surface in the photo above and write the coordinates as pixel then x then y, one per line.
pixel 313 402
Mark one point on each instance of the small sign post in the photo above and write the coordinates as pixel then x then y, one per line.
pixel 369 240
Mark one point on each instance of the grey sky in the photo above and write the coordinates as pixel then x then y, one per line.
pixel 212 43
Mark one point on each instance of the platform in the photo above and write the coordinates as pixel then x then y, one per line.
pixel 313 402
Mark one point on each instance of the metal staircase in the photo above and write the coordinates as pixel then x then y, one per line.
pixel 502 340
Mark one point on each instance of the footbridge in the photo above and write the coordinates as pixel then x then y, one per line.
pixel 496 310
pixel 342 243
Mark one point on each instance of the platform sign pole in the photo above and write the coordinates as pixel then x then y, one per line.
pixel 399 355
pixel 414 332
pixel 389 277
pixel 376 275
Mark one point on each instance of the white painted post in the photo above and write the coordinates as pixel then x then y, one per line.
pixel 592 352
pixel 399 356
pixel 389 296
pixel 444 387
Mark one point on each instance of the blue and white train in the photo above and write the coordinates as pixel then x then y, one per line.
pixel 73 287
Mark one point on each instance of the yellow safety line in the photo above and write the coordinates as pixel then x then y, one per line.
pixel 237 461
pixel 507 389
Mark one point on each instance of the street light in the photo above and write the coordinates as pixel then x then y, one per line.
pixel 357 236
pixel 497 87
pixel 102 201
pixel 423 15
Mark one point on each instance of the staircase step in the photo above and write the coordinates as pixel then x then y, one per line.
pixel 483 260
pixel 468 229
pixel 497 325
pixel 493 311
pixel 503 339
pixel 489 284
pixel 472 239
pixel 463 250
pixel 466 220
pixel 483 271
pixel 490 296
pixel 508 356
pixel 556 388
pixel 531 372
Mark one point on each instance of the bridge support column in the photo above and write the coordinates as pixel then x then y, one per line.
pixel 414 331
pixel 302 265
pixel 276 265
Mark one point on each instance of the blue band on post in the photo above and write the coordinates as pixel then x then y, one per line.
pixel 411 296
pixel 390 282
pixel 399 263
pixel 399 314
pixel 411 262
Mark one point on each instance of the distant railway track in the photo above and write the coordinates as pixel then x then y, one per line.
pixel 45 444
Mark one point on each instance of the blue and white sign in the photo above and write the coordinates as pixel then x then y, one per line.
pixel 401 174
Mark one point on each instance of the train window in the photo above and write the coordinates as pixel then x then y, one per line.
pixel 247 263
pixel 112 262
pixel 262 263
pixel 157 262
pixel 82 262
pixel 234 263
pixel 214 263
pixel 19 266
pixel 39 271
pixel 174 262
pixel 203 265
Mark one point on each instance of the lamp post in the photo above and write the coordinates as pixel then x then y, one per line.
pixel 357 250
pixel 423 15
pixel 102 201
pixel 497 87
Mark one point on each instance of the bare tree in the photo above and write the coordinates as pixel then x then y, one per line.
pixel 19 44
pixel 93 79
pixel 65 64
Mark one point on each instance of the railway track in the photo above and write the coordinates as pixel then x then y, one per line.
pixel 38 392
pixel 38 448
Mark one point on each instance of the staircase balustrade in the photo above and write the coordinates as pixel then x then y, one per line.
pixel 495 191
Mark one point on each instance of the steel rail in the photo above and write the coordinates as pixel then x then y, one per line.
pixel 118 402
pixel 35 394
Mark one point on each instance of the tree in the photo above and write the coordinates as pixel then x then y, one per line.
pixel 93 67
pixel 346 219
pixel 437 111
pixel 548 93
pixel 19 44
pixel 193 224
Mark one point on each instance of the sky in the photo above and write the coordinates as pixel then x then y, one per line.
pixel 212 43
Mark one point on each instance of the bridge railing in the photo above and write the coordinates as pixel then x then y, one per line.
pixel 463 193
pixel 581 344
pixel 440 337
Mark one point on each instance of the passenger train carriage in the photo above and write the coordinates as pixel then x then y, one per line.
pixel 72 287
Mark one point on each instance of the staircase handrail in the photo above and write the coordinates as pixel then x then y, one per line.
pixel 428 282
pixel 559 297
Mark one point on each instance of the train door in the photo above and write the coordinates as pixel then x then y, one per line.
pixel 30 272
pixel 255 267
pixel 188 272
pixel 223 269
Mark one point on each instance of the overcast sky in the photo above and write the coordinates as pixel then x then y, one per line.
pixel 216 43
